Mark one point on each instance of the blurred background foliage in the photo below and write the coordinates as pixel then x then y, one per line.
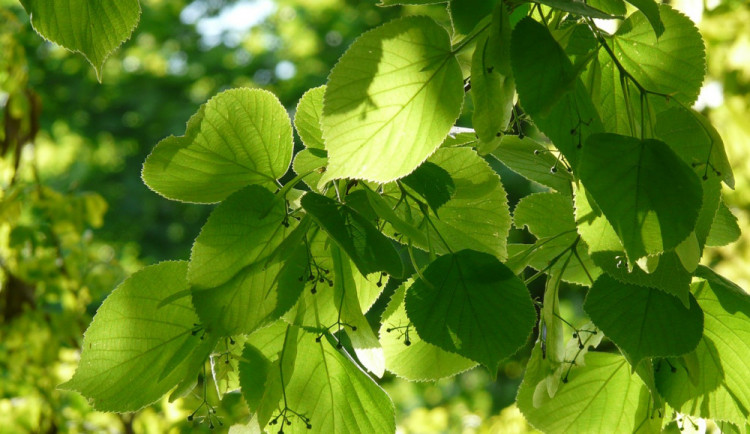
pixel 75 218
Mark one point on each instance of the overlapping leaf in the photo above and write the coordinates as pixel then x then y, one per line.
pixel 390 101
pixel 550 90
pixel 715 386
pixel 92 28
pixel 643 322
pixel 534 162
pixel 406 354
pixel 137 348
pixel 239 137
pixel 477 215
pixel 648 194
pixel 471 304
pixel 365 245
pixel 492 84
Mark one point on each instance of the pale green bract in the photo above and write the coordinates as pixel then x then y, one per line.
pixel 138 347
pixel 93 28
pixel 239 137
pixel 390 101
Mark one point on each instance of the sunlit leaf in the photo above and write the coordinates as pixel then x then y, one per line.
pixel 674 64
pixel 602 396
pixel 390 101
pixel 128 351
pixel 92 28
pixel 307 118
pixel 239 137
pixel 723 356
pixel 534 162
pixel 724 229
pixel 242 230
pixel 406 354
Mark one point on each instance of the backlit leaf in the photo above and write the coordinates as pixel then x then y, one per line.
pixel 417 360
pixel 602 396
pixel 723 356
pixel 239 137
pixel 128 353
pixel 90 27
pixel 364 244
pixel 390 101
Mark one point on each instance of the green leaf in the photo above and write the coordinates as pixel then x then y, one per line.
pixel 724 229
pixel 650 10
pixel 536 53
pixel 643 322
pixel 366 345
pixel 410 2
pixel 541 254
pixel 674 64
pixel 466 14
pixel 545 214
pixel 390 101
pixel 723 356
pixel 550 91
pixel 648 194
pixel 477 217
pixel 605 249
pixel 613 7
pixel 416 360
pixel 312 161
pixel 239 137
pixel 259 389
pixel 128 359
pixel 244 229
pixel 492 84
pixel 385 212
pixel 693 137
pixel 578 8
pixel 361 241
pixel 329 388
pixel 473 305
pixel 432 183
pixel 534 162
pixel 602 396
pixel 255 297
pixel 92 28
pixel 307 118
